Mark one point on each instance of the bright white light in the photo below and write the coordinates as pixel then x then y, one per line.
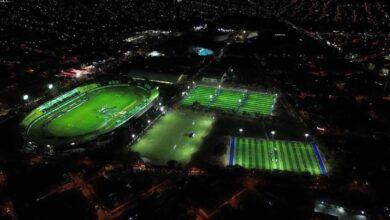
pixel 239 100
pixel 273 132
pixel 241 130
pixel 211 96
pixel 48 146
pixel 78 75
pixel 341 209
pixel 363 212
pixel 162 108
pixel 155 54
pixel 133 135
pixel 219 86
pixel 148 121
pixel 50 86
pixel 159 104
pixel 25 97
pixel 306 135
pixel 183 93
pixel 72 144
pixel 193 82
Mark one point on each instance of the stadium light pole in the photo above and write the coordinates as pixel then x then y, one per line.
pixel 25 97
pixel 273 134
pixel 306 136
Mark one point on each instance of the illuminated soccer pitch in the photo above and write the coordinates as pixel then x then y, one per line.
pixel 242 102
pixel 86 112
pixel 265 154
pixel 175 136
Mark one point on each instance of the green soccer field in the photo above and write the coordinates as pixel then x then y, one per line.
pixel 169 138
pixel 248 102
pixel 87 114
pixel 265 154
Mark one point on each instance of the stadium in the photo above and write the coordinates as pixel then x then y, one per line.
pixel 242 102
pixel 87 112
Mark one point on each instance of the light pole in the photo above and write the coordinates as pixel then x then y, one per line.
pixel 25 97
pixel 306 136
pixel 273 134
pixel 386 82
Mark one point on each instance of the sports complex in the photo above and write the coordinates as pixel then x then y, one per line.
pixel 86 112
pixel 231 100
pixel 252 153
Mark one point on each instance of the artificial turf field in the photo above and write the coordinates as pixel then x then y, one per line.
pixel 250 102
pixel 88 114
pixel 265 154
pixel 169 139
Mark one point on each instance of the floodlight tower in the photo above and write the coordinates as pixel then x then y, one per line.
pixel 25 97
pixel 306 136
pixel 273 134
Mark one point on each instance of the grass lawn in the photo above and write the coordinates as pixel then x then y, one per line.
pixel 259 103
pixel 95 112
pixel 265 154
pixel 169 139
